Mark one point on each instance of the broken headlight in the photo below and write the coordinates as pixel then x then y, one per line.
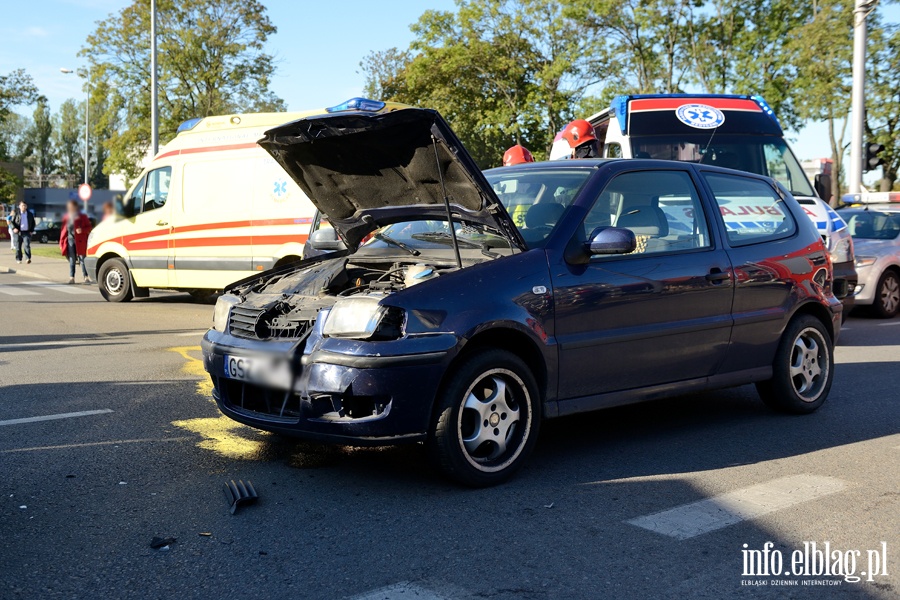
pixel 222 311
pixel 363 318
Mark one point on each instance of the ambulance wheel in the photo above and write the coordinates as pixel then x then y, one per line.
pixel 115 282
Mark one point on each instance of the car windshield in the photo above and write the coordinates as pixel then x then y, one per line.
pixel 873 225
pixel 423 235
pixel 536 198
pixel 763 154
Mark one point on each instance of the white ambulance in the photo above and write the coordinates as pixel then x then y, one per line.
pixel 211 208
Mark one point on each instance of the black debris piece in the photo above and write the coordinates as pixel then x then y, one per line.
pixel 158 542
pixel 239 494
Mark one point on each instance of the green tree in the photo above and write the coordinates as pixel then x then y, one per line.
pixel 16 88
pixel 883 100
pixel 212 60
pixel 501 71
pixel 9 186
pixel 822 51
pixel 39 151
pixel 68 138
pixel 14 137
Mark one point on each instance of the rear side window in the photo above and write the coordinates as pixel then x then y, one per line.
pixel 752 210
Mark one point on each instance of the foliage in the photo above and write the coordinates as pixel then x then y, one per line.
pixel 211 60
pixel 39 151
pixel 16 88
pixel 9 185
pixel 68 137
pixel 883 100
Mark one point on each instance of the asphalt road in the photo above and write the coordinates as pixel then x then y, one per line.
pixel 590 516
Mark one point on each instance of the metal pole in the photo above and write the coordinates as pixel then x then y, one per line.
pixel 858 96
pixel 87 123
pixel 154 110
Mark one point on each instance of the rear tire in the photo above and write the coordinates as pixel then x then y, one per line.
pixel 887 296
pixel 44 239
pixel 803 369
pixel 486 420
pixel 115 281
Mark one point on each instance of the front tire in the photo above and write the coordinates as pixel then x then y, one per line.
pixel 487 419
pixel 803 369
pixel 115 281
pixel 887 296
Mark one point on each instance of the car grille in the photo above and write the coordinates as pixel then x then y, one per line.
pixel 244 322
pixel 247 397
pixel 257 324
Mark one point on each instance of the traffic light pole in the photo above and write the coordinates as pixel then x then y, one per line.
pixel 858 96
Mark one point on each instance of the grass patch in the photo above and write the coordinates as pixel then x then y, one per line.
pixel 46 250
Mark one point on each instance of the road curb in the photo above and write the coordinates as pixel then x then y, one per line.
pixel 31 274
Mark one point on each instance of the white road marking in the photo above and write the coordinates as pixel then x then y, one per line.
pixel 192 333
pixel 91 444
pixel 83 413
pixel 402 591
pixel 690 520
pixel 889 323
pixel 76 342
pixel 60 287
pixel 11 290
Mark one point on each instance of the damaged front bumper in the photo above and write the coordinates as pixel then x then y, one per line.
pixel 337 390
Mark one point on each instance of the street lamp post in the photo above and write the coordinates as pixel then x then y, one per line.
pixel 87 121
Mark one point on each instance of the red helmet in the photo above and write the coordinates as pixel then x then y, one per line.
pixel 578 132
pixel 516 156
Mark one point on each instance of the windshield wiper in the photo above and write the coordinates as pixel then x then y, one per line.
pixel 389 240
pixel 439 237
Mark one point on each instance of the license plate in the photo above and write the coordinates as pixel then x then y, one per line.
pixel 238 367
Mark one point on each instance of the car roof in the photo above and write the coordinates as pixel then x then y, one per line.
pixel 637 163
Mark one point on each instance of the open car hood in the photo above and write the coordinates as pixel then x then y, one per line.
pixel 367 170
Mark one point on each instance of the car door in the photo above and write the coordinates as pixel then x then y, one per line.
pixel 149 243
pixel 658 315
pixel 758 231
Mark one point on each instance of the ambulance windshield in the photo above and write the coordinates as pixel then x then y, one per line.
pixel 763 154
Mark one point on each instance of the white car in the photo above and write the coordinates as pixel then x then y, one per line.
pixel 876 234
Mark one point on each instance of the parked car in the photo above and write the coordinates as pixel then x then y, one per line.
pixel 454 327
pixel 47 231
pixel 876 234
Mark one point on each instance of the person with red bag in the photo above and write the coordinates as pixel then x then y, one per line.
pixel 73 239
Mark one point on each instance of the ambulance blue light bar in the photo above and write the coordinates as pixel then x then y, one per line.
pixel 357 104
pixel 189 124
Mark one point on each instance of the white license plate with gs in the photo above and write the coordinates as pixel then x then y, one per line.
pixel 274 372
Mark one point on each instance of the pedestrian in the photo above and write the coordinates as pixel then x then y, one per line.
pixel 73 238
pixel 23 227
pixel 108 210
pixel 10 226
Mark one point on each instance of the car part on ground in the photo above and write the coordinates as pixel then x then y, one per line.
pixel 238 493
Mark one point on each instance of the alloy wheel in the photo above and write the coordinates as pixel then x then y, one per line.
pixel 890 294
pixel 810 366
pixel 494 420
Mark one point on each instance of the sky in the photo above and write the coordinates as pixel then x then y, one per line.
pixel 318 47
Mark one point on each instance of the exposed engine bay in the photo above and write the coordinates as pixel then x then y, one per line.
pixel 287 305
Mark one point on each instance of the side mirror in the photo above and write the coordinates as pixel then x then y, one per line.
pixel 121 208
pixel 611 240
pixel 326 239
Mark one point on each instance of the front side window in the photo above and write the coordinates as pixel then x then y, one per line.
pixel 136 201
pixel 537 199
pixel 661 208
pixel 157 188
pixel 752 210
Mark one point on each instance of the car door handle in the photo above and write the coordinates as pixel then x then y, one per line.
pixel 162 223
pixel 718 275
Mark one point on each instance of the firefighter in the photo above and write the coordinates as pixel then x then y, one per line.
pixel 580 135
pixel 517 155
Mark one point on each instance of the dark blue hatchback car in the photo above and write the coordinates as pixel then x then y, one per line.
pixel 470 306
